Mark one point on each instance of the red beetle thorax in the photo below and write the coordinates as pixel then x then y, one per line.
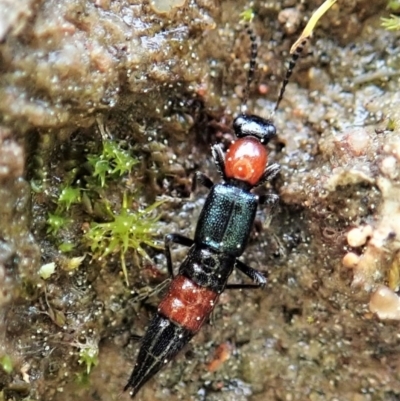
pixel 246 160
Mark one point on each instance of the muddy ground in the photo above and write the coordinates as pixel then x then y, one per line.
pixel 166 79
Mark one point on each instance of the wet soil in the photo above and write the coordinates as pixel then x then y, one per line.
pixel 167 79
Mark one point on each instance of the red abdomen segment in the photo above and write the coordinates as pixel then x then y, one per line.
pixel 187 303
pixel 246 160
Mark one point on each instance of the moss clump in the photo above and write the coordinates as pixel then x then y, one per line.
pixel 89 356
pixel 394 5
pixel 55 222
pixel 6 363
pixel 91 188
pixel 391 125
pixel 69 196
pixel 113 162
pixel 128 230
pixel 247 15
pixel 392 23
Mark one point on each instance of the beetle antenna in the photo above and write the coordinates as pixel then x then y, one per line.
pixel 252 66
pixel 298 46
pixel 292 63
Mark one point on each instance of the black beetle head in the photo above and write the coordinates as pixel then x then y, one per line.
pixel 251 125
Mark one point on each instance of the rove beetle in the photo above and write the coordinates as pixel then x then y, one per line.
pixel 221 233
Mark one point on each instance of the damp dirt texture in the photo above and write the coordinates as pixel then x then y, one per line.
pixel 107 109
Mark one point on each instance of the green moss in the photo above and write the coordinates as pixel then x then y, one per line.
pixel 66 247
pixel 82 378
pixel 394 5
pixel 59 218
pixel 391 125
pixel 6 364
pixel 247 15
pixel 392 23
pixel 128 230
pixel 113 162
pixel 55 222
pixel 117 232
pixel 89 357
pixel 69 196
